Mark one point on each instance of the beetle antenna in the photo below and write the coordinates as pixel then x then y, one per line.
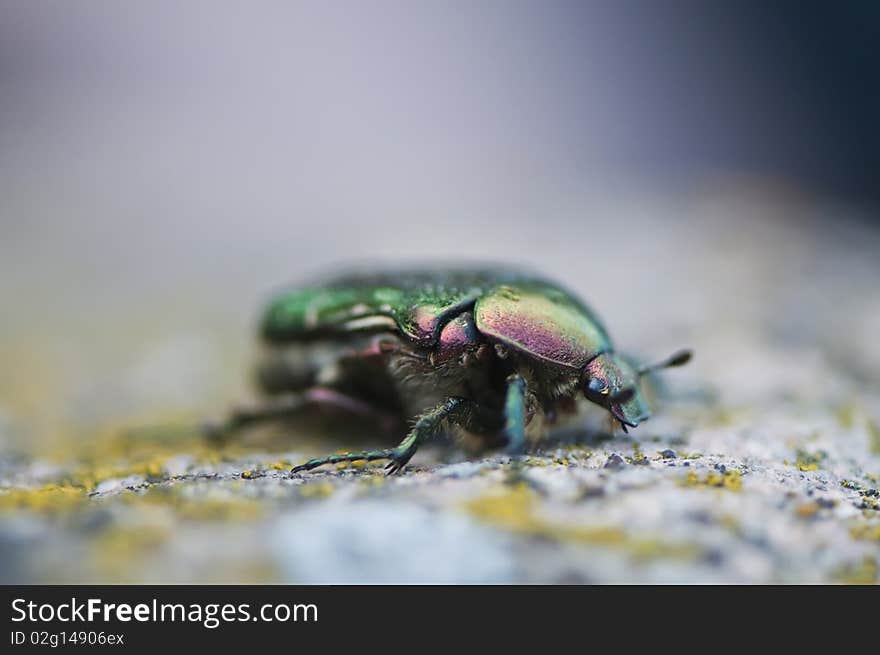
pixel 680 358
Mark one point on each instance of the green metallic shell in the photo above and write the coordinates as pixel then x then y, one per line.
pixel 514 307
pixel 542 322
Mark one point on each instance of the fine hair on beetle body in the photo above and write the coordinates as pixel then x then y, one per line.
pixel 494 353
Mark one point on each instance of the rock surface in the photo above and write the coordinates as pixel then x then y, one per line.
pixel 761 464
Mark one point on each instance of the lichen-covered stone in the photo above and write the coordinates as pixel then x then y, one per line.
pixel 761 464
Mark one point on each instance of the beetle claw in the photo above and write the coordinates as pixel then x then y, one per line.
pixel 398 461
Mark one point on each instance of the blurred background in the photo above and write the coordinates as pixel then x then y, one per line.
pixel 703 172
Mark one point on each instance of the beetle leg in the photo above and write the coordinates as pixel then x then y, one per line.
pixel 392 347
pixel 515 414
pixel 282 407
pixel 426 425
pixel 366 455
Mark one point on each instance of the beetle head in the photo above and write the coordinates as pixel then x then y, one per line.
pixel 612 382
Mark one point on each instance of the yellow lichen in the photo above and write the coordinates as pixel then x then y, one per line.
pixel 638 457
pixel 807 510
pixel 809 461
pixel 866 532
pixel 847 414
pixel 46 499
pixel 873 437
pixel 217 509
pixel 373 480
pixel 316 490
pixel 115 551
pixel 515 509
pixel 731 480
pixel 127 541
pixel 208 506
pixel 865 572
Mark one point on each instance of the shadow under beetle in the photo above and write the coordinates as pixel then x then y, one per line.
pixel 485 351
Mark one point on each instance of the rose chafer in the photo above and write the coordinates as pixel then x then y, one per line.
pixel 481 351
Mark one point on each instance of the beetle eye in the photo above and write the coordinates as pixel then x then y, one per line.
pixel 597 386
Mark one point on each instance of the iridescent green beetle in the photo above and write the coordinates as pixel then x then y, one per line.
pixel 484 351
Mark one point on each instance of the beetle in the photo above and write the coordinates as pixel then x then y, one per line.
pixel 481 350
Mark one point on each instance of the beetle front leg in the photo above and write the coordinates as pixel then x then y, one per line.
pixel 426 425
pixel 515 414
